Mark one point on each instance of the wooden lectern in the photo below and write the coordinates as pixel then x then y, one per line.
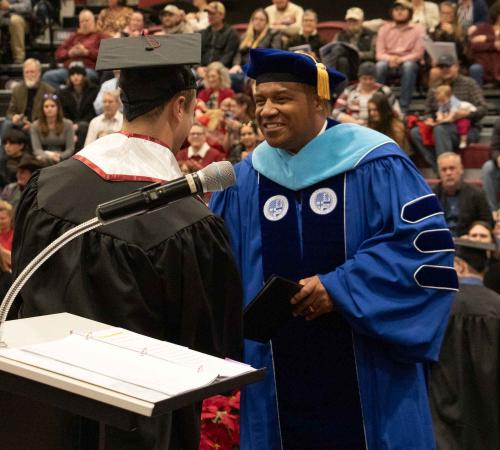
pixel 38 405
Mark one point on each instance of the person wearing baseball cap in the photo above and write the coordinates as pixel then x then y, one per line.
pixel 338 209
pixel 173 21
pixel 400 47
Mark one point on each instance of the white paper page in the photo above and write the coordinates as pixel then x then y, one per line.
pixel 172 352
pixel 124 365
pixel 83 375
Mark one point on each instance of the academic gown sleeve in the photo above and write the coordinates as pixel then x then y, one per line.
pixel 375 289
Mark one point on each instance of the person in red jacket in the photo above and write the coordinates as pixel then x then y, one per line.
pixel 81 47
pixel 199 154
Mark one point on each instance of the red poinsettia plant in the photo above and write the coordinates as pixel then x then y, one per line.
pixel 220 425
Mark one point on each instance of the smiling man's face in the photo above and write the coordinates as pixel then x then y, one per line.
pixel 286 113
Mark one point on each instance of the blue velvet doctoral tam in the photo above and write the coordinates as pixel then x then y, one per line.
pixel 352 208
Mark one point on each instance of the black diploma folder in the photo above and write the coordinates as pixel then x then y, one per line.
pixel 270 309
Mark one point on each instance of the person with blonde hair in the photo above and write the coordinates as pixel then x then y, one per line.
pixel 217 86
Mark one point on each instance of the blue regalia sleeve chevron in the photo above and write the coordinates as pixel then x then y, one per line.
pixel 437 277
pixel 421 208
pixel 432 241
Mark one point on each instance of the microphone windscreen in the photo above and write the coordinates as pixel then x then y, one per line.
pixel 217 176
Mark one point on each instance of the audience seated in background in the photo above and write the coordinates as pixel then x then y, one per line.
pixel 108 85
pixel 471 12
pixel 27 166
pixel 115 18
pixel 81 46
pixel 199 19
pixel 217 86
pixel 6 228
pixel 462 203
pixel 15 145
pixel 173 21
pixel 11 16
pixel 484 45
pixel 448 30
pixel 399 50
pixel 445 134
pixel 352 105
pixel 491 170
pixel 242 112
pixel 136 26
pixel 285 16
pixel 426 14
pixel 199 154
pixel 383 118
pixel 308 34
pixel 248 141
pixel 52 136
pixel 110 121
pixel 27 96
pixel 77 99
pixel 219 41
pixel 464 385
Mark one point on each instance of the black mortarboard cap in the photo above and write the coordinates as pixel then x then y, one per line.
pixel 474 253
pixel 153 68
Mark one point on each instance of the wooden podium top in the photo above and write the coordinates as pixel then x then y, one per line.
pixel 78 396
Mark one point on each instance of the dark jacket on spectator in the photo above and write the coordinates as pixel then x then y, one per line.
pixel 219 45
pixel 495 142
pixel 485 53
pixel 19 100
pixel 272 39
pixel 439 35
pixel 83 112
pixel 314 41
pixel 472 206
pixel 364 41
pixel 91 42
pixel 466 90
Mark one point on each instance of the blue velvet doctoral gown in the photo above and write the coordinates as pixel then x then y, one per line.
pixel 393 287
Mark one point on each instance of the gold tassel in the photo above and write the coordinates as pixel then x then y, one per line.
pixel 323 81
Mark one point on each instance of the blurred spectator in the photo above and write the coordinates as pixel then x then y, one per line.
pixel 77 101
pixel 491 170
pixel 6 228
pixel 308 35
pixel 199 154
pixel 258 35
pixel 14 144
pixel 448 30
pixel 110 121
pixel 173 21
pixel 285 16
pixel 115 18
pixel 136 25
pixel 399 49
pixel 448 107
pixel 358 36
pixel 462 203
pixel 470 12
pixel 352 104
pixel 484 41
pixel 199 19
pixel 385 120
pixel 81 46
pixel 27 96
pixel 28 164
pixel 219 41
pixel 248 140
pixel 11 16
pixel 445 135
pixel 108 85
pixel 426 14
pixel 242 112
pixel 217 86
pixel 52 136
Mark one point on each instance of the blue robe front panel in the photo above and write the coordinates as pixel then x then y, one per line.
pixel 394 295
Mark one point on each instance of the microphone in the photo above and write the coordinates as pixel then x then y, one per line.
pixel 215 177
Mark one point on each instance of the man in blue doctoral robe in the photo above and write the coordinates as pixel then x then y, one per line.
pixel 341 209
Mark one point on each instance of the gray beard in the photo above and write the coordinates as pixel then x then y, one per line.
pixel 31 83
